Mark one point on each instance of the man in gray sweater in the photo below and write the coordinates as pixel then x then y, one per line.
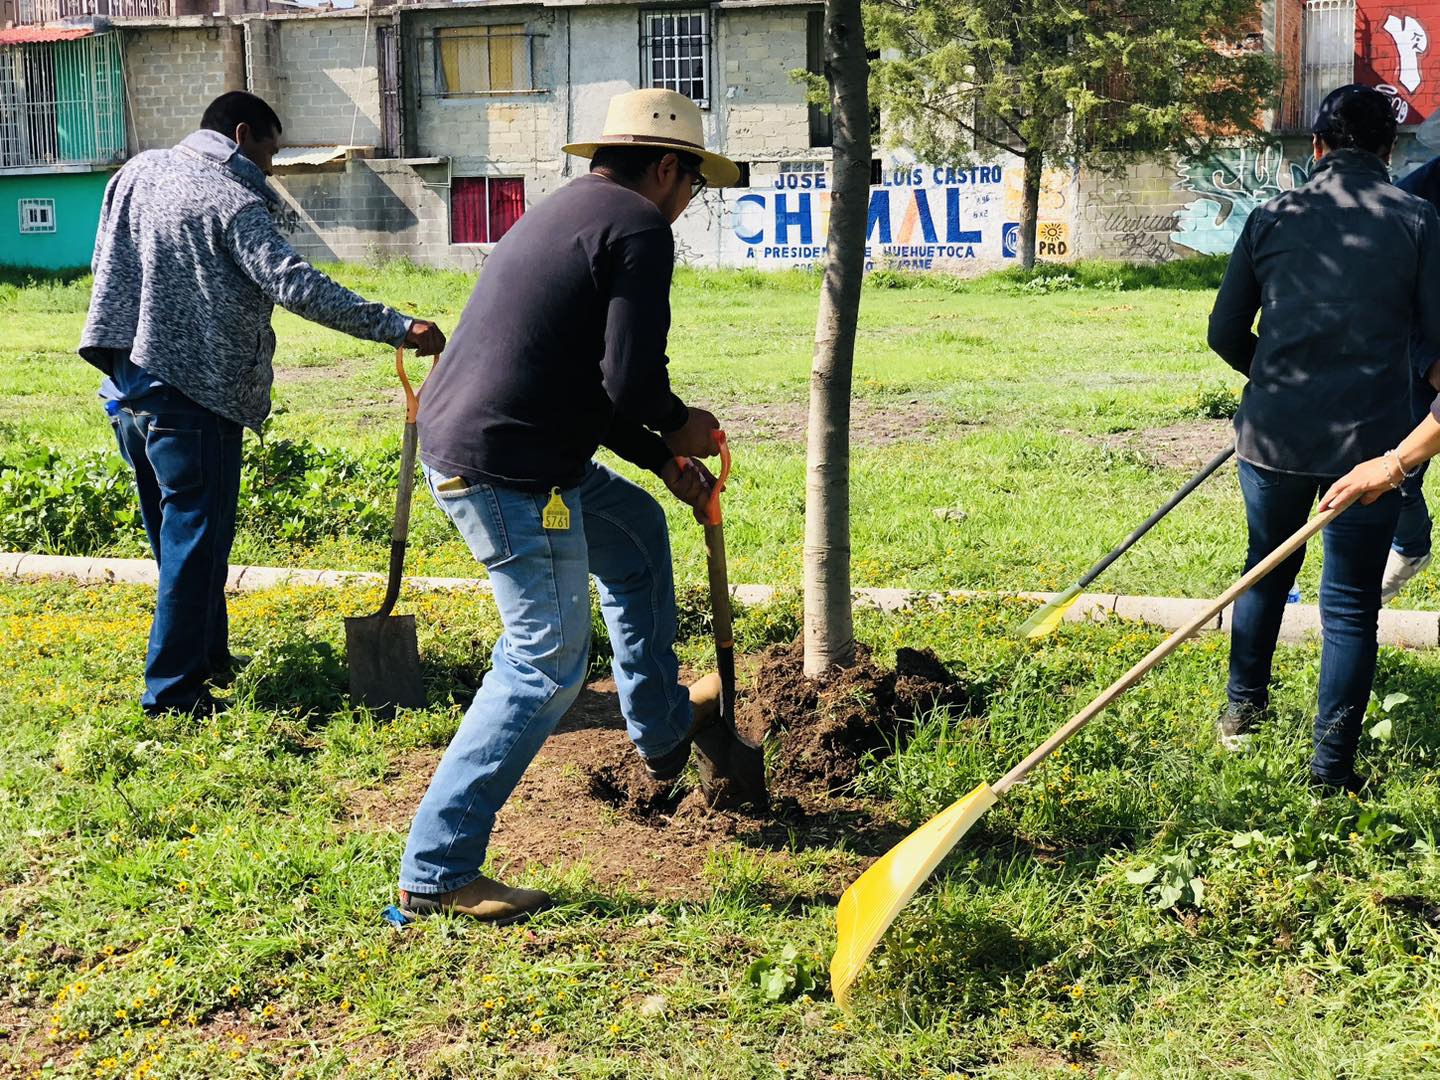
pixel 188 266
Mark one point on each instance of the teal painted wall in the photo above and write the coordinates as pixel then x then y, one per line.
pixel 77 212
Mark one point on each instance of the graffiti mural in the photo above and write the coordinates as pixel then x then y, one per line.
pixel 1230 185
pixel 921 217
pixel 1394 54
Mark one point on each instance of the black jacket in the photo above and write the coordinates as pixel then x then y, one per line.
pixel 1338 268
pixel 561 347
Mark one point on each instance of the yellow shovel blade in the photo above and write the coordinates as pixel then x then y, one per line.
pixel 870 905
pixel 1048 617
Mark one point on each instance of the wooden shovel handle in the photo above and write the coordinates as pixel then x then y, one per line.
pixel 1169 645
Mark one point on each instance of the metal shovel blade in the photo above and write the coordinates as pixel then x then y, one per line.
pixel 384 663
pixel 732 772
pixel 383 655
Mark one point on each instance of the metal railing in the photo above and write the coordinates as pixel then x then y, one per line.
pixel 40 12
pixel 62 103
pixel 1329 51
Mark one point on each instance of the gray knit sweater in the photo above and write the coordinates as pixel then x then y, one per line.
pixel 188 267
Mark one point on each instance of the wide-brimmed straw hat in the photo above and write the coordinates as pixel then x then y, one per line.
pixel 663 118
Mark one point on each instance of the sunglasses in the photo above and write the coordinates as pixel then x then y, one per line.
pixel 698 183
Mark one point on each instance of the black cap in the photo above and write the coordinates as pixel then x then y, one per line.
pixel 1343 99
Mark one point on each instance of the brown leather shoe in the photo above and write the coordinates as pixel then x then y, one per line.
pixel 484 899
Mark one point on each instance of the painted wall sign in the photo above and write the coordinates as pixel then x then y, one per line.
pixel 1397 50
pixel 920 217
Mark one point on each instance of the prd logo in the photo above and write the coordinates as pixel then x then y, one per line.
pixel 1010 239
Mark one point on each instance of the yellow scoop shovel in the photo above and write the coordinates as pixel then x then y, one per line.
pixel 870 905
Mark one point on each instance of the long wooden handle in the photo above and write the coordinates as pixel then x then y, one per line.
pixel 1166 647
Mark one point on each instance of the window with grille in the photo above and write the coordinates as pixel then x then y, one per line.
pixel 1329 51
pixel 675 53
pixel 483 60
pixel 483 208
pixel 37 215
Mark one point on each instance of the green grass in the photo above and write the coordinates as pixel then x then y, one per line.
pixel 200 898
pixel 1015 404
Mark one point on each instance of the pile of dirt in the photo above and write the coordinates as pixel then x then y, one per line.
pixel 827 727
pixel 588 800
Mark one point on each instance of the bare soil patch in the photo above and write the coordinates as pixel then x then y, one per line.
pixel 587 799
pixel 1186 445
pixel 872 423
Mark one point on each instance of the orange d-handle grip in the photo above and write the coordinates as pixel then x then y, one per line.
pixel 412 401
pixel 712 508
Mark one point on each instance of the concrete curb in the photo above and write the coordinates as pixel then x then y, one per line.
pixel 1406 629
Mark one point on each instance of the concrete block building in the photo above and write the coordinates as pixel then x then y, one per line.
pixel 424 130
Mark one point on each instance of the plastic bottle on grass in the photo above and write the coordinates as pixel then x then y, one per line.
pixel 1293 597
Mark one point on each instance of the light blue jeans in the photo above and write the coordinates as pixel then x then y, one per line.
pixel 541 584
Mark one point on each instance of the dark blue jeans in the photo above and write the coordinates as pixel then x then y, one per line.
pixel 1356 546
pixel 1412 531
pixel 187 471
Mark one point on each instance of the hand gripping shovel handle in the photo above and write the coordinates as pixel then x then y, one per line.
pixel 401 531
pixel 1169 645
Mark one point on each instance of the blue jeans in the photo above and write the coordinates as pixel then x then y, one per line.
pixel 541 585
pixel 1356 547
pixel 187 471
pixel 1412 531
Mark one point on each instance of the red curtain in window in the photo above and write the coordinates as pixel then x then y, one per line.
pixel 467 210
pixel 507 203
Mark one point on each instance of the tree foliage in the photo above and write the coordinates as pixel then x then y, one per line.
pixel 1068 81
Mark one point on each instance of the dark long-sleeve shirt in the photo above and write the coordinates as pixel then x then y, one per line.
pixel 1423 182
pixel 1338 269
pixel 561 348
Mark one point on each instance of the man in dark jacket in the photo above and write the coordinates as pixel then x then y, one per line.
pixel 188 267
pixel 561 350
pixel 1339 269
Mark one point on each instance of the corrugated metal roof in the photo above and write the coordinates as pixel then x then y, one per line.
pixel 309 155
pixel 31 35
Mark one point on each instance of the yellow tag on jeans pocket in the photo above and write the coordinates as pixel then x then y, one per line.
pixel 455 483
pixel 556 515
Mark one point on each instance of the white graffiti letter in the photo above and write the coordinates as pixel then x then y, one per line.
pixel 1411 40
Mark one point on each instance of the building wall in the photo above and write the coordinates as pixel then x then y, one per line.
pixel 77 211
pixel 328 81
pixel 368 209
pixel 173 73
pixel 1160 210
pixel 764 108
pixel 501 133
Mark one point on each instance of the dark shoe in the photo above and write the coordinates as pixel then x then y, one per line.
pixel 1325 787
pixel 705 713
pixel 484 899
pixel 223 675
pixel 1236 722
pixel 206 706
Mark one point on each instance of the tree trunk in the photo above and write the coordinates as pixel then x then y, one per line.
pixel 1030 206
pixel 829 626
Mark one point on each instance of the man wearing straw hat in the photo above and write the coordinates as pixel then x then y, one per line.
pixel 561 350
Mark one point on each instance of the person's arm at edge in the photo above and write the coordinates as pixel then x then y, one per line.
pixel 1233 316
pixel 1371 479
pixel 268 259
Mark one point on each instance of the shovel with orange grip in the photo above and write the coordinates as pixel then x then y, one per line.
pixel 732 769
pixel 382 650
